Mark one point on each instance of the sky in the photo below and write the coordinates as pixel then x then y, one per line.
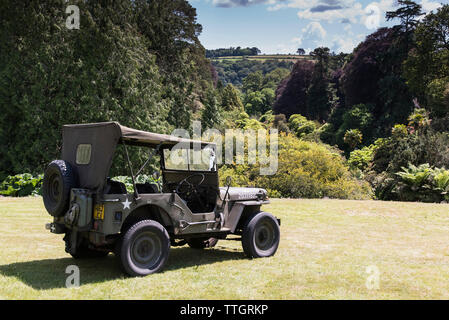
pixel 283 26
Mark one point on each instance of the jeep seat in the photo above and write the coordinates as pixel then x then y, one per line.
pixel 147 188
pixel 115 187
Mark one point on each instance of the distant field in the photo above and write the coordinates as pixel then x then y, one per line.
pixel 264 57
pixel 326 248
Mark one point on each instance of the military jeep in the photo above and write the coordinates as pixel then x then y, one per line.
pixel 187 207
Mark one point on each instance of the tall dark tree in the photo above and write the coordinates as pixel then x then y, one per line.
pixel 320 94
pixel 291 95
pixel 408 13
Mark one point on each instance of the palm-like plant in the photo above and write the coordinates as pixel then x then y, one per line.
pixel 441 181
pixel 414 176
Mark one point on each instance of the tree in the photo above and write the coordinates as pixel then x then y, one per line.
pixel 230 99
pixel 323 55
pixel 408 12
pixel 427 67
pixel 301 51
pixel 253 82
pixel 291 94
pixel 135 62
pixel 374 77
pixel 210 117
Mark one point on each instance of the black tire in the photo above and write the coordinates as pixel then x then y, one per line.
pixel 59 179
pixel 261 235
pixel 202 243
pixel 144 248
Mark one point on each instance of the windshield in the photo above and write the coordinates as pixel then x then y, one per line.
pixel 190 159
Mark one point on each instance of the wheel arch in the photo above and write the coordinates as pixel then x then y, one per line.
pixel 148 212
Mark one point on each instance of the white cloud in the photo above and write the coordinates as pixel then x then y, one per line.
pixel 429 5
pixel 343 44
pixel 314 30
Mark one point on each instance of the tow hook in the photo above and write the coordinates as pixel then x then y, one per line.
pixel 55 228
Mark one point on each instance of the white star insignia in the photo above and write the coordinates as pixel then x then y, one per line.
pixel 126 204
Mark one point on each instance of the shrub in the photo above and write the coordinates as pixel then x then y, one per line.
pixel 128 181
pixel 422 183
pixel 301 126
pixel 361 158
pixel 311 170
pixel 21 185
pixel 353 137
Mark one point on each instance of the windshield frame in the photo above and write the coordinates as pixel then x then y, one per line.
pixel 189 149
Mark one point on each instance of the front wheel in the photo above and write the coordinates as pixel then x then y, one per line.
pixel 261 235
pixel 144 248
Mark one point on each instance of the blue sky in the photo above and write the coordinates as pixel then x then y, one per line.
pixel 282 26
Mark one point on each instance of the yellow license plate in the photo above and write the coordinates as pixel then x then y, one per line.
pixel 99 212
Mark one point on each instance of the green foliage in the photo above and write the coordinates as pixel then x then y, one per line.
pixel 311 170
pixel 305 170
pixel 128 181
pixel 399 131
pixel 232 52
pixel 301 126
pixel 235 71
pixel 422 183
pixel 361 158
pixel 429 60
pixel 438 96
pixel 415 176
pixel 21 185
pixel 210 117
pixel 126 63
pixel 259 102
pixel 419 118
pixel 441 182
pixel 353 137
pixel 230 98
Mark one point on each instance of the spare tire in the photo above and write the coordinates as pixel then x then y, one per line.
pixel 59 179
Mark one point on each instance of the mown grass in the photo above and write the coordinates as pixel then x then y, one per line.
pixel 326 246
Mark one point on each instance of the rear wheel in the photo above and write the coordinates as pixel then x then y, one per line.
pixel 59 179
pixel 144 248
pixel 201 243
pixel 261 235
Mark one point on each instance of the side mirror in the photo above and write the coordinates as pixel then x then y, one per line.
pixel 228 180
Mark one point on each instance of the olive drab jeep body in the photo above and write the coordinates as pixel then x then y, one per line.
pixel 98 215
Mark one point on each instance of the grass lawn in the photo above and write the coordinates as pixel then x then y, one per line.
pixel 326 248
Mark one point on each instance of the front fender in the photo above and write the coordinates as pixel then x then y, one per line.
pixel 238 211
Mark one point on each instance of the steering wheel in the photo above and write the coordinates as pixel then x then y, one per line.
pixel 189 183
pixel 192 187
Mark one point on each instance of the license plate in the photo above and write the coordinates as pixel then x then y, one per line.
pixel 99 212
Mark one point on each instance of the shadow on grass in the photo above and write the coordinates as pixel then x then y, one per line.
pixel 50 273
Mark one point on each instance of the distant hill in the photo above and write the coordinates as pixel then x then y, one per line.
pixel 233 69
